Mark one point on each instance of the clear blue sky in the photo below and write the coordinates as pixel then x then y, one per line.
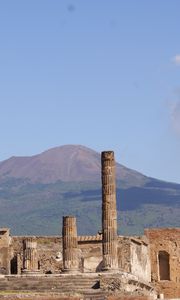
pixel 101 73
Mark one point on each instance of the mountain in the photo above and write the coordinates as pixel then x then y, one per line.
pixel 36 191
pixel 66 163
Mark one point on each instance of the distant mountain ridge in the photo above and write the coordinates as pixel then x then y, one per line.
pixel 68 163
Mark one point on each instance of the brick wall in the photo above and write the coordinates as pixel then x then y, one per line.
pixel 165 260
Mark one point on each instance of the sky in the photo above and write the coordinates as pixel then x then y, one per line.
pixel 101 73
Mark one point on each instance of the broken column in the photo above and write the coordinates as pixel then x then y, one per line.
pixel 30 257
pixel 109 213
pixel 70 245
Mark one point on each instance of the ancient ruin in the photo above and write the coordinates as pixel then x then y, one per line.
pixel 70 245
pixel 109 213
pixel 30 259
pixel 108 264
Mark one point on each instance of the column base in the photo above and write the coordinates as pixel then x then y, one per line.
pixel 30 272
pixel 71 271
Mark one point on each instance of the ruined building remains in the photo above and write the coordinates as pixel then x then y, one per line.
pixel 148 265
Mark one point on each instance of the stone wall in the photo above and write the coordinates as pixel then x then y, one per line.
pixel 49 254
pixel 165 260
pixel 50 258
pixel 124 260
pixel 131 255
pixel 5 241
pixel 90 254
pixel 140 259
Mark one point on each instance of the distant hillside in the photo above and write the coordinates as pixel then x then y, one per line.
pixel 35 192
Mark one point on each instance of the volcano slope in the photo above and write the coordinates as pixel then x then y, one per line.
pixel 36 191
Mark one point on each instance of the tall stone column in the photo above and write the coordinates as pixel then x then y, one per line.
pixel 30 257
pixel 109 213
pixel 70 245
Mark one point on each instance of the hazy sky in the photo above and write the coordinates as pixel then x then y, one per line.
pixel 101 73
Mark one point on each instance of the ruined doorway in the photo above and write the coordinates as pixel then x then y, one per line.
pixel 164 270
pixel 14 265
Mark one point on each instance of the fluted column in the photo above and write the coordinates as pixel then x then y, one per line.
pixel 30 257
pixel 109 213
pixel 70 245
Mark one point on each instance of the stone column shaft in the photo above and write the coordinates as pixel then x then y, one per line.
pixel 70 245
pixel 30 257
pixel 109 213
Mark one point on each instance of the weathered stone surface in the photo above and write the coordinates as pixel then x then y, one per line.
pixel 38 296
pixel 89 251
pixel 60 284
pixel 165 260
pixel 109 213
pixel 70 245
pixel 140 259
pixel 49 251
pixel 5 251
pixel 125 284
pixel 30 256
pixel 129 298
